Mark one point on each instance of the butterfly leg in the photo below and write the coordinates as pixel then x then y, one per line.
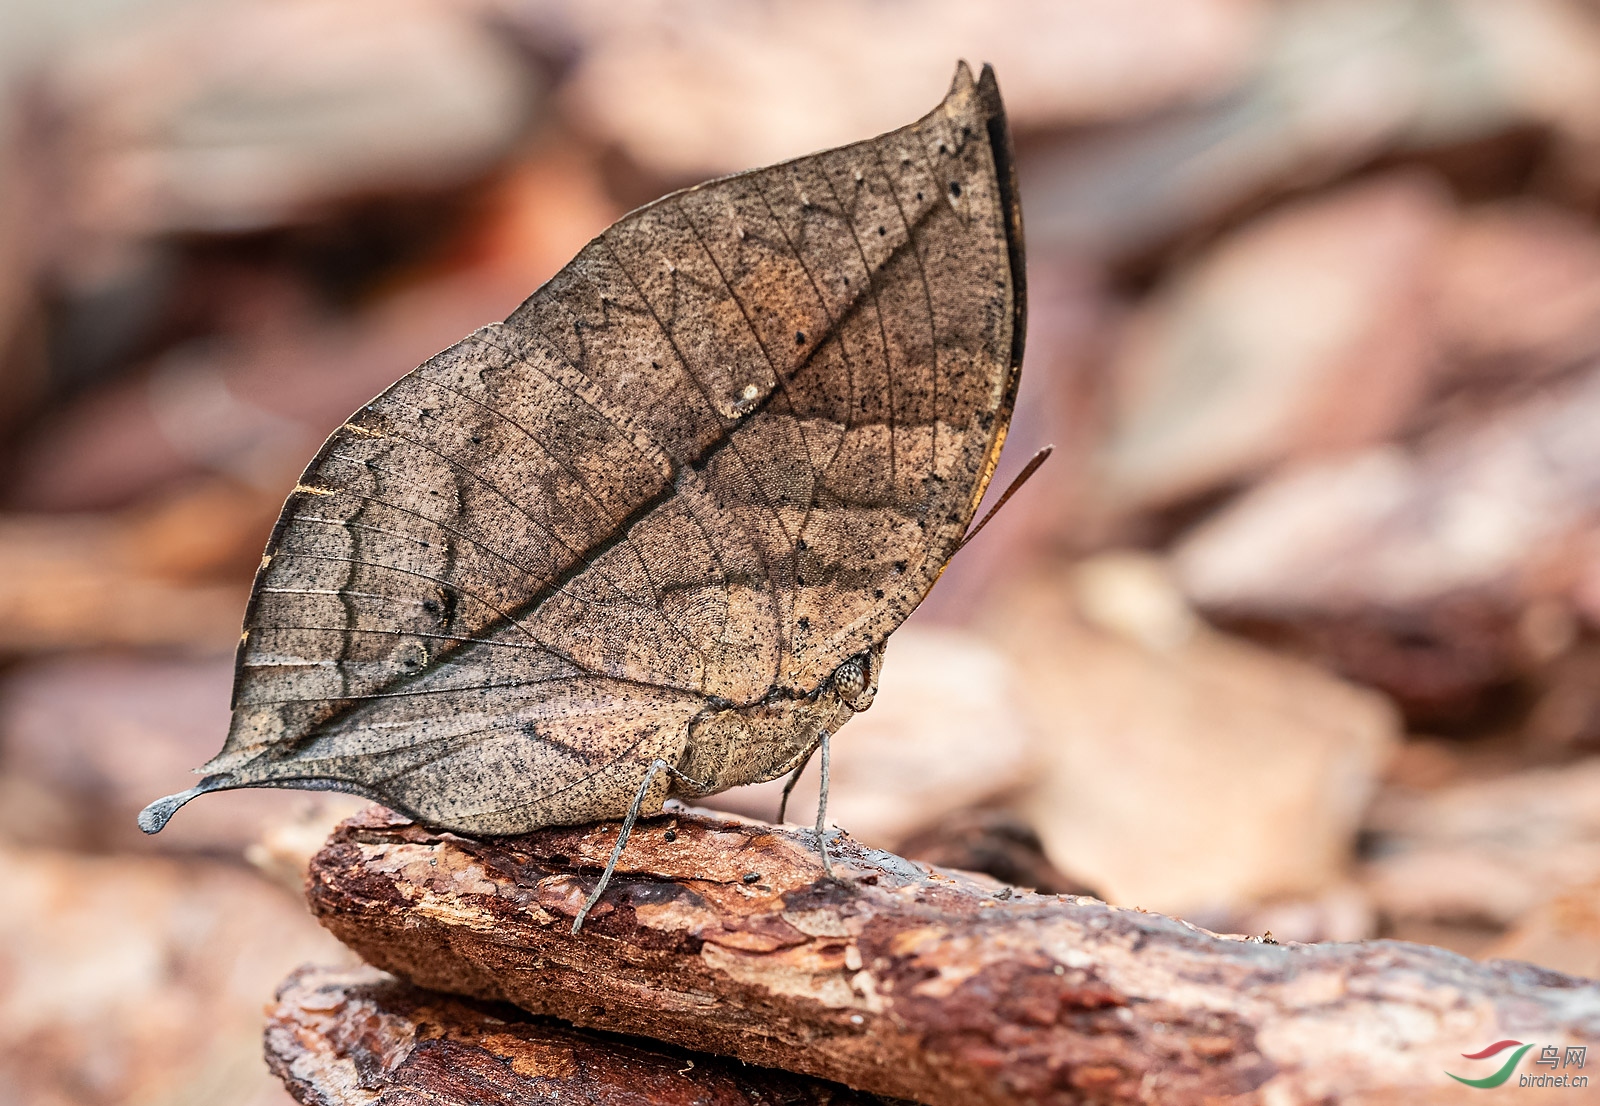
pixel 794 778
pixel 657 765
pixel 822 808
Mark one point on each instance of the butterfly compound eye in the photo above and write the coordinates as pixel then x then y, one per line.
pixel 850 680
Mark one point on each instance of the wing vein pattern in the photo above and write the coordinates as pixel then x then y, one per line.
pixel 726 449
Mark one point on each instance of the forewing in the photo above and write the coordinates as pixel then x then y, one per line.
pixel 910 252
pixel 831 346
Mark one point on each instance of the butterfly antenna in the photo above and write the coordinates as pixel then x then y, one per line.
pixel 1021 478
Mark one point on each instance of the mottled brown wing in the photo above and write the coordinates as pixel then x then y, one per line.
pixel 730 445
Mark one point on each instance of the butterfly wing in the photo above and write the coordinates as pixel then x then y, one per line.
pixel 902 267
pixel 832 345
pixel 730 445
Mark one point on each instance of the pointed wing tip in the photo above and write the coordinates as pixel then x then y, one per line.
pixel 963 80
pixel 989 93
pixel 985 89
pixel 154 818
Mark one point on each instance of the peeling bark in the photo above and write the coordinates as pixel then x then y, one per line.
pixel 723 936
pixel 342 1038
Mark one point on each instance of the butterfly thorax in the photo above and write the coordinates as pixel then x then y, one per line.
pixel 734 746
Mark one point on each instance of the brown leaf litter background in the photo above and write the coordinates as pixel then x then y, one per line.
pixel 1299 630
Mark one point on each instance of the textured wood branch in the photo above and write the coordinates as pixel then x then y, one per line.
pixel 341 1038
pixel 721 935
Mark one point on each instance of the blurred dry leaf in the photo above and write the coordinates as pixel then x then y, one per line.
pixel 1489 505
pixel 1197 777
pixel 289 838
pixel 22 368
pixel 1438 573
pixel 718 85
pixel 1562 934
pixel 130 980
pixel 943 733
pixel 85 739
pixel 221 406
pixel 254 402
pixel 1335 85
pixel 1340 912
pixel 1518 296
pixel 1484 850
pixel 1304 332
pixel 1131 596
pixel 1565 715
pixel 175 574
pixel 244 115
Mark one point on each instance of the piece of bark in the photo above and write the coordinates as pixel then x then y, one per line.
pixel 339 1036
pixel 1183 770
pixel 1304 333
pixel 138 980
pixel 1484 851
pixel 723 936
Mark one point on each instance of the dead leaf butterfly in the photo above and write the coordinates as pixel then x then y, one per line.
pixel 647 537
